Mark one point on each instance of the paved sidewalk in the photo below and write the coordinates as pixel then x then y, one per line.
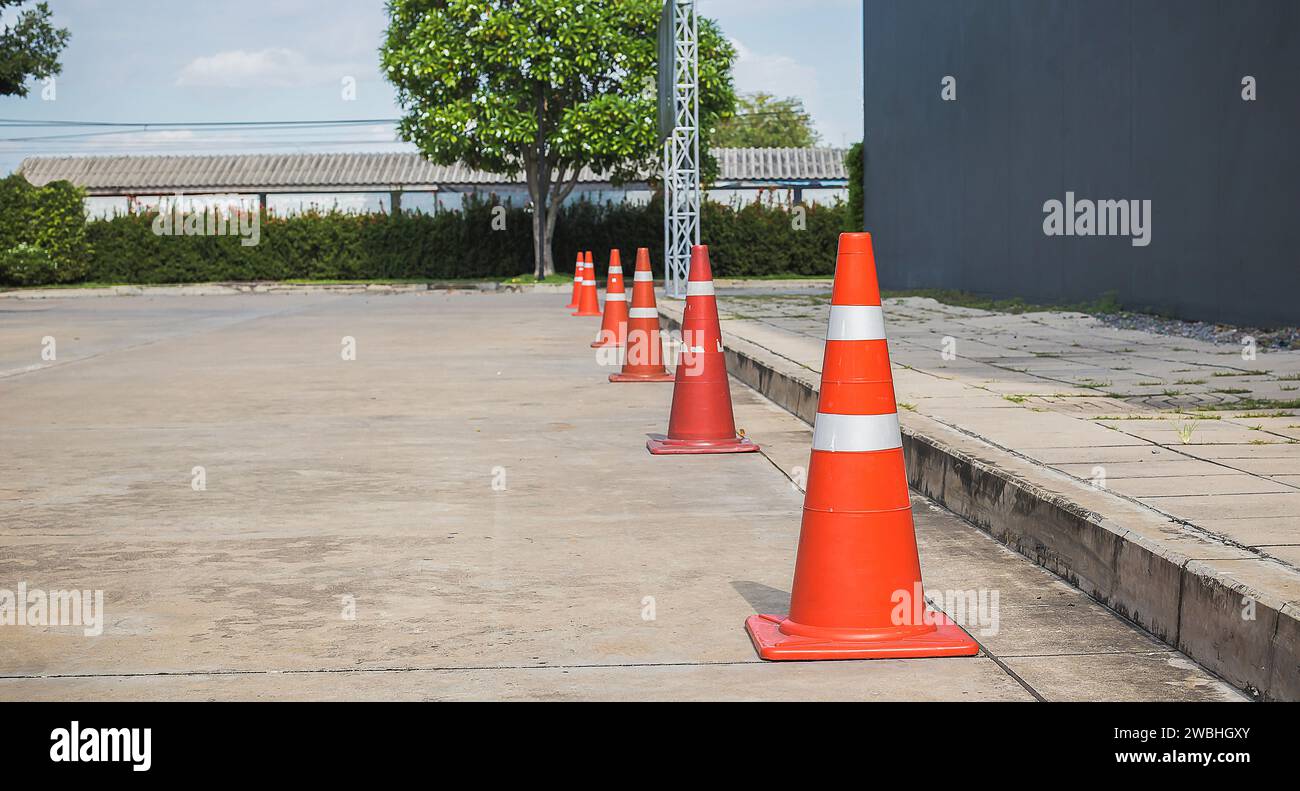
pixel 374 479
pixel 1180 440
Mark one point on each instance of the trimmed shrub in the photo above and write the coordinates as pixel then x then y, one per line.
pixel 745 241
pixel 856 163
pixel 27 265
pixel 50 219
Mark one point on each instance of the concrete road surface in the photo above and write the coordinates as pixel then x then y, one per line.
pixel 466 510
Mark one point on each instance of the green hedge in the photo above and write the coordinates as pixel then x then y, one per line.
pixel 856 163
pixel 329 246
pixel 42 233
pixel 745 241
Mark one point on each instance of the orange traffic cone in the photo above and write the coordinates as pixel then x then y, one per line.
pixel 613 328
pixel 588 304
pixel 857 579
pixel 701 420
pixel 577 283
pixel 644 360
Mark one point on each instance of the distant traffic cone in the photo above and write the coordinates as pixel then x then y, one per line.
pixel 613 328
pixel 588 303
pixel 857 579
pixel 701 420
pixel 644 360
pixel 577 283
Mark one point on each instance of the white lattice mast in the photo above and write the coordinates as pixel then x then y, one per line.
pixel 682 151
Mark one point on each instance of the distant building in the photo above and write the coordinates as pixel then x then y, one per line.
pixel 289 183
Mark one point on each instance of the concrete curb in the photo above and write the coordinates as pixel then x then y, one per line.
pixel 224 289
pixel 1185 599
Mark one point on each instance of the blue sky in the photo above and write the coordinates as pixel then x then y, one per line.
pixel 271 60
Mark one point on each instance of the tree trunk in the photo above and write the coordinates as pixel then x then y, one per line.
pixel 531 179
pixel 540 240
pixel 563 186
pixel 543 265
pixel 543 219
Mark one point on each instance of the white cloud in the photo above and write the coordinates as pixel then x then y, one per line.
pixel 780 75
pixel 275 67
pixel 835 107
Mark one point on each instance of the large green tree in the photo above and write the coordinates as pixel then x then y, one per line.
pixel 29 47
pixel 764 121
pixel 540 87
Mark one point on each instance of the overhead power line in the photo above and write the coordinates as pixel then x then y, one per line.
pixel 120 128
pixel 330 121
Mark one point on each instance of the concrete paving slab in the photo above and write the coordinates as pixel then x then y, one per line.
pixel 1228 483
pixel 1281 506
pixel 1153 466
pixel 1039 439
pixel 1251 531
pixel 975 679
pixel 464 511
pixel 1062 457
pixel 1288 553
pixel 1163 675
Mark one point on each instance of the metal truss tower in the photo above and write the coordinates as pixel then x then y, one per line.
pixel 682 149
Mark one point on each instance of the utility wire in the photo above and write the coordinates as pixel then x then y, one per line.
pixel 337 121
pixel 33 138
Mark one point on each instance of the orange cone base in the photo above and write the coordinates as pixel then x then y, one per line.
pixel 660 445
pixel 946 639
pixel 664 377
pixel 588 313
pixel 609 344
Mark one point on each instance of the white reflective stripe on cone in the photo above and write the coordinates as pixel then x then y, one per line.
pixel 856 323
pixel 856 432
pixel 643 277
pixel 589 282
pixel 616 297
pixel 643 313
pixel 577 277
pixel 616 270
pixel 699 288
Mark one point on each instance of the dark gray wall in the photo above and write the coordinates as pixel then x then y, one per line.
pixel 1110 99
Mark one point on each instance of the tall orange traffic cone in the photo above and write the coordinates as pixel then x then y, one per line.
pixel 644 359
pixel 701 420
pixel 857 579
pixel 577 283
pixel 588 304
pixel 613 328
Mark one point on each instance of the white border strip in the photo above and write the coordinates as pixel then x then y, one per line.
pixel 643 277
pixel 856 432
pixel 856 323
pixel 699 288
pixel 643 313
pixel 616 297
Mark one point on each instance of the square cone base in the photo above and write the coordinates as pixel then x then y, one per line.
pixel 660 445
pixel 622 377
pixel 948 639
pixel 605 344
pixel 588 313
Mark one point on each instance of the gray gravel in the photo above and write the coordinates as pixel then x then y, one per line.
pixel 1276 338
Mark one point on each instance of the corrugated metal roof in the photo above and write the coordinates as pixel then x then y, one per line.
pixel 142 175
pixel 781 164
